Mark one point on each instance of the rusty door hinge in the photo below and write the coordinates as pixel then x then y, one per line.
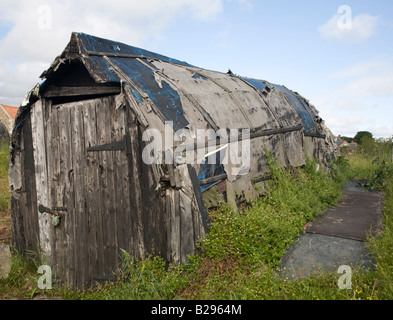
pixel 56 212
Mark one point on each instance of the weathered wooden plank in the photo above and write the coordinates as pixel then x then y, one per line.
pixel 198 198
pixel 53 163
pixel 171 174
pixel 104 129
pixel 134 170
pixel 213 179
pixel 80 91
pixel 121 187
pixel 114 54
pixel 187 243
pixel 29 212
pixel 315 135
pixel 112 146
pixel 199 231
pixel 66 179
pixel 39 151
pixel 79 161
pixel 92 193
pixel 173 225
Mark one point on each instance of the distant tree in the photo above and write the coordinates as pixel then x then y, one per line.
pixel 362 135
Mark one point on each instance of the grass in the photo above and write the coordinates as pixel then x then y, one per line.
pixel 4 186
pixel 5 216
pixel 240 256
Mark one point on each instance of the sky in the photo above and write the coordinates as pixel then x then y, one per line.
pixel 337 54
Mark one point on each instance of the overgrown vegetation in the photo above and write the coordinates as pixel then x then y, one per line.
pixel 240 256
pixel 4 188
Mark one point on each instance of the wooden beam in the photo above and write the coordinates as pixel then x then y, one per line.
pixel 198 197
pixel 315 135
pixel 117 55
pixel 269 132
pixel 118 145
pixel 253 135
pixel 53 92
pixel 213 179
pixel 261 178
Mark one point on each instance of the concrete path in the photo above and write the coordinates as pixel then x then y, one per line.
pixel 337 237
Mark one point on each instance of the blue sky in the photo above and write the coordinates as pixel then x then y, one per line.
pixel 346 73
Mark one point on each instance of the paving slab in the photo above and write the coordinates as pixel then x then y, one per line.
pixel 338 236
pixel 356 216
pixel 315 253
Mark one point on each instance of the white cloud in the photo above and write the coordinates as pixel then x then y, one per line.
pixel 361 98
pixel 346 114
pixel 349 103
pixel 373 85
pixel 362 27
pixel 379 64
pixel 381 131
pixel 40 30
pixel 370 78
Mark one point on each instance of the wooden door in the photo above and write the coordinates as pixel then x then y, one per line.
pixel 93 185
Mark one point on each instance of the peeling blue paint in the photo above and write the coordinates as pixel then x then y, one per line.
pixel 198 76
pixel 137 96
pixel 91 43
pixel 166 99
pixel 300 109
pixel 207 170
pixel 305 104
pixel 102 68
pixel 259 84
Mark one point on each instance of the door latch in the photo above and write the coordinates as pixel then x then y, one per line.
pixel 56 212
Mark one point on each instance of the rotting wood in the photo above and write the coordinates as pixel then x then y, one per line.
pixel 193 101
pixel 253 135
pixel 198 197
pixel 39 150
pixel 173 226
pixel 315 135
pixel 120 175
pixel 233 98
pixel 52 142
pixel 117 55
pixel 264 177
pixel 66 180
pixel 25 225
pixel 128 95
pixel 80 222
pixel 52 92
pixel 134 179
pixel 187 243
pixel 92 149
pixel 107 185
pixel 92 181
pixel 277 119
pixel 171 174
pixel 112 146
pixel 213 179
